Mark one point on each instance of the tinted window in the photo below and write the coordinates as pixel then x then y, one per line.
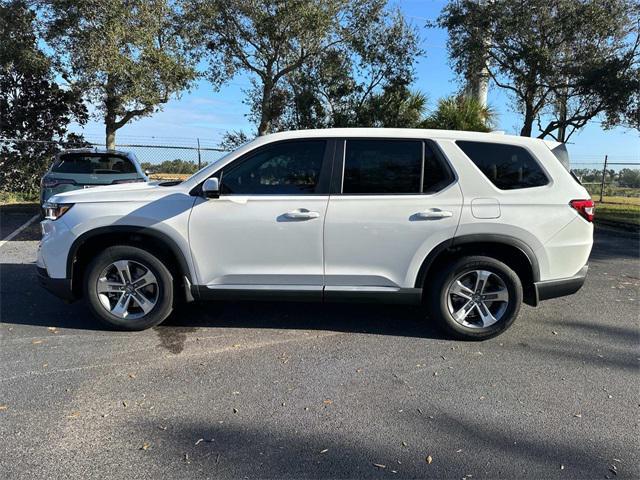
pixel 382 166
pixel 392 166
pixel 507 166
pixel 436 174
pixel 93 164
pixel 285 168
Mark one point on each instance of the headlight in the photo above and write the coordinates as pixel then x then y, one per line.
pixel 53 211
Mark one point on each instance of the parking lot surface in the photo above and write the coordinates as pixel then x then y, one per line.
pixel 275 390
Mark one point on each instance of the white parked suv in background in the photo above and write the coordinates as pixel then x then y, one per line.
pixel 469 224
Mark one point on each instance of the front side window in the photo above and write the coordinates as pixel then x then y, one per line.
pixel 508 167
pixel 93 164
pixel 284 168
pixel 392 167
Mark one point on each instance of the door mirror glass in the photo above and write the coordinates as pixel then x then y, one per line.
pixel 211 188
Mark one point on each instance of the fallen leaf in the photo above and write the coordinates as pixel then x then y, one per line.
pixel 379 465
pixel 145 446
pixel 36 342
pixel 73 415
pixel 429 459
pixel 327 402
pixel 3 407
pixel 236 345
pixel 132 375
pixel 324 451
pixel 45 365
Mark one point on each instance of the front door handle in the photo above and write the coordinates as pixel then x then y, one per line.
pixel 301 214
pixel 433 214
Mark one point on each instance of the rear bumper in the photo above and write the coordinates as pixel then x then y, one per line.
pixel 60 287
pixel 562 287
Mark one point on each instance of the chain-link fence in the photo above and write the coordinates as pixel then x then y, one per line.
pixel 608 178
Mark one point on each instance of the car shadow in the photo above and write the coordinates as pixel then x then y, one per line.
pixel 24 302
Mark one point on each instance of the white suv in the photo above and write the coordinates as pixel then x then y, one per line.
pixel 470 225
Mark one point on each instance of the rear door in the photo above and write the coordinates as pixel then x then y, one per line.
pixel 392 201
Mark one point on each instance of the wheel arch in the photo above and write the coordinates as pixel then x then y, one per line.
pixel 149 239
pixel 510 250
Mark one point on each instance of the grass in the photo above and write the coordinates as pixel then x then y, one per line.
pixel 618 200
pixel 11 198
pixel 169 176
pixel 619 212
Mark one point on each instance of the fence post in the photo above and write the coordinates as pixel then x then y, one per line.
pixel 604 172
pixel 200 161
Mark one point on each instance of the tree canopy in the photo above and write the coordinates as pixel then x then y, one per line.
pixel 128 58
pixel 564 62
pixel 313 63
pixel 36 111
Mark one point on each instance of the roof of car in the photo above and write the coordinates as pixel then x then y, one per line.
pixel 397 133
pixel 93 150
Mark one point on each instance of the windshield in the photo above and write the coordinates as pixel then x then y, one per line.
pixel 95 164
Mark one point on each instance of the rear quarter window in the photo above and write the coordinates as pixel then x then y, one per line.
pixel 508 167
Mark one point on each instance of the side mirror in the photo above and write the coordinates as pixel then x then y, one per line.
pixel 211 188
pixel 147 172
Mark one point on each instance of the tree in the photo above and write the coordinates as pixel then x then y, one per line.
pixel 565 62
pixel 128 57
pixel 36 111
pixel 461 113
pixel 629 178
pixel 293 48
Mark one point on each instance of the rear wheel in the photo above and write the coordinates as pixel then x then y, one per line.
pixel 475 298
pixel 129 288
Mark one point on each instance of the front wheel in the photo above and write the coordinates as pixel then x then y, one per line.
pixel 129 288
pixel 475 298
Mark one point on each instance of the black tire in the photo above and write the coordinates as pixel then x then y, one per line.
pixel 437 301
pixel 164 281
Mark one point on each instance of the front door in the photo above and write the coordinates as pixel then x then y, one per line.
pixel 265 230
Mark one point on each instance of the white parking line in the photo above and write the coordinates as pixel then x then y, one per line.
pixel 13 234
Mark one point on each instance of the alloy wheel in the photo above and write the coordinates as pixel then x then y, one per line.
pixel 127 289
pixel 477 298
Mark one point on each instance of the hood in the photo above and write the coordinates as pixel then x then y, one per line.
pixel 126 192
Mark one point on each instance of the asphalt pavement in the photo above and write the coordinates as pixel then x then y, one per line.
pixel 277 390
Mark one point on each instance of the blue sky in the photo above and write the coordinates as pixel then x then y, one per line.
pixel 206 113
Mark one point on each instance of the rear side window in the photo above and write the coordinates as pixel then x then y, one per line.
pixel 93 164
pixel 392 167
pixel 507 166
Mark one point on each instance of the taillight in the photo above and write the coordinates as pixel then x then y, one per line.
pixel 52 182
pixel 586 208
pixel 127 180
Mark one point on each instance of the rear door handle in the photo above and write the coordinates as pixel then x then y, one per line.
pixel 434 213
pixel 301 214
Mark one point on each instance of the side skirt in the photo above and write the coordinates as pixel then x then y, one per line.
pixel 407 296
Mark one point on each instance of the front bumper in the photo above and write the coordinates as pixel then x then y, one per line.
pixel 562 287
pixel 60 287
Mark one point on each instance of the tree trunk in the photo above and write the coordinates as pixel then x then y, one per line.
pixel 265 109
pixel 529 117
pixel 110 132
